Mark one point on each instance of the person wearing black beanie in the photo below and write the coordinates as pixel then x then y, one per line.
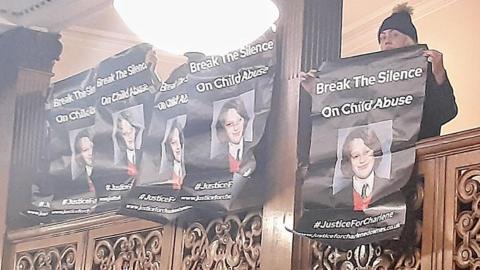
pixel 400 20
pixel 398 31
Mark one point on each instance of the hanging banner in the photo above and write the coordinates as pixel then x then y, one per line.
pixel 366 114
pixel 125 87
pixel 95 123
pixel 191 142
pixel 201 149
pixel 67 189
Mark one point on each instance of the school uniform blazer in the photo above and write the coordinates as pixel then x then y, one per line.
pixel 247 162
pixel 380 190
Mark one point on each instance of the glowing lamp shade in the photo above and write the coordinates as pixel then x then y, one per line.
pixel 207 26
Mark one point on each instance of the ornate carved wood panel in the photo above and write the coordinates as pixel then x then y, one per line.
pixel 64 252
pixel 232 242
pixel 139 250
pixel 450 165
pixel 105 241
pixel 134 245
pixel 61 257
pixel 467 224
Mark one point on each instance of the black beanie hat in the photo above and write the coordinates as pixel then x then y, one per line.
pixel 401 21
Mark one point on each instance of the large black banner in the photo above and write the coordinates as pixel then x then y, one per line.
pixel 366 114
pixel 201 150
pixel 125 89
pixel 120 137
pixel 65 187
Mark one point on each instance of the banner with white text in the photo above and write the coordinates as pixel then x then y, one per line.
pixel 125 87
pixel 65 188
pixel 201 150
pixel 366 114
pixel 122 138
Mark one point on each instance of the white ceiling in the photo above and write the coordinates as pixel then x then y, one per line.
pixel 360 21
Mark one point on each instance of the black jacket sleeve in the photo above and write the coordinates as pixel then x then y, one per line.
pixel 439 107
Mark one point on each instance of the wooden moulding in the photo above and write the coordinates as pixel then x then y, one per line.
pixel 72 226
pixel 448 145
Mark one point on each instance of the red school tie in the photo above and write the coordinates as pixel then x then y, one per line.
pixel 91 186
pixel 131 169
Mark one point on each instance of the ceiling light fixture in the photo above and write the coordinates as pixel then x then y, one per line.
pixel 213 27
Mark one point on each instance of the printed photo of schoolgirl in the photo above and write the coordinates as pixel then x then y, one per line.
pixel 83 155
pixel 128 129
pixel 80 180
pixel 361 155
pixel 231 126
pixel 174 167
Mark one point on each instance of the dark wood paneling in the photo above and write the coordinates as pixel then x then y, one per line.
pixel 321 42
pixel 28 130
pixel 26 59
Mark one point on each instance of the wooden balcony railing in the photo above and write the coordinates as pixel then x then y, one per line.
pixel 442 230
pixel 450 166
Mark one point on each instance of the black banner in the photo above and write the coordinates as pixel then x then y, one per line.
pixel 200 151
pixel 66 188
pixel 125 89
pixel 190 142
pixel 366 114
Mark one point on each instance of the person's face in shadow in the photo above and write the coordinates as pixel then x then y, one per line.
pixel 392 39
pixel 176 145
pixel 85 146
pixel 128 133
pixel 361 158
pixel 233 125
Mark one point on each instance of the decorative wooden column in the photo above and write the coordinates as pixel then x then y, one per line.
pixel 278 209
pixel 308 33
pixel 322 32
pixel 26 62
